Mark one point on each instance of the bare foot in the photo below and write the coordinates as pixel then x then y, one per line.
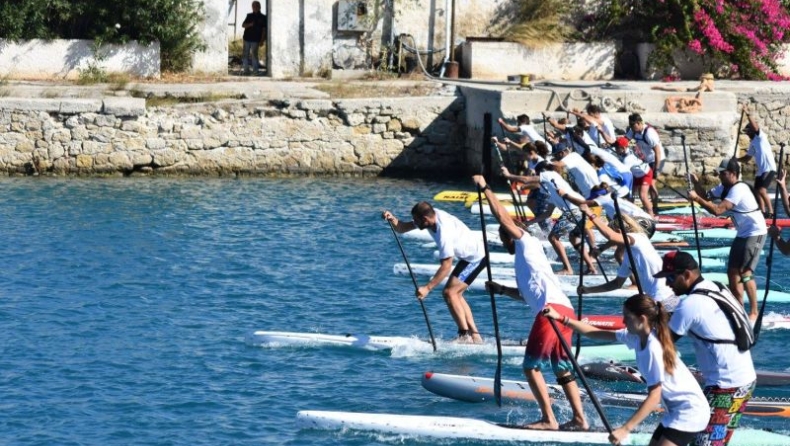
pixel 574 426
pixel 542 426
pixel 591 271
pixel 477 339
pixel 564 272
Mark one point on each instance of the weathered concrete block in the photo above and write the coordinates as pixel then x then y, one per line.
pixel 124 106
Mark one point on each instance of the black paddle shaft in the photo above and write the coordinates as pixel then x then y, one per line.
pixel 581 284
pixel 581 229
pixel 627 243
pixel 414 281
pixel 693 210
pixel 580 373
pixel 498 374
pixel 769 261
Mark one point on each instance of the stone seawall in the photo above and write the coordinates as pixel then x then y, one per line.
pixel 412 136
pixel 119 136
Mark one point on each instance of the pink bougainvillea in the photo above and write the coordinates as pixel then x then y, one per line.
pixel 742 38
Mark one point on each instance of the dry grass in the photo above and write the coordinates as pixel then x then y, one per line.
pixel 538 22
pixel 361 89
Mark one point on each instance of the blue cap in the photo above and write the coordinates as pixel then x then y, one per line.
pixel 560 147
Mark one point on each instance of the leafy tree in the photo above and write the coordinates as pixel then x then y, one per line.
pixel 173 23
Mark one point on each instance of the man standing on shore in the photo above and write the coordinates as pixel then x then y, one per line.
pixel 254 33
pixel 454 239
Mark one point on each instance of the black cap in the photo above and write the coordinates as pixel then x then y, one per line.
pixel 675 262
pixel 730 165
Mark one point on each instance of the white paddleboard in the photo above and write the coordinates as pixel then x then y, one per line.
pixel 442 427
pixel 412 344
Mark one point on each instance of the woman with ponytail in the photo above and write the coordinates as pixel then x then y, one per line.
pixel 669 381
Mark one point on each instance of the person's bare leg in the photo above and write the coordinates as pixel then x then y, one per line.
pixel 574 398
pixel 764 201
pixel 735 285
pixel 453 295
pixel 563 256
pixel 750 287
pixel 644 195
pixel 538 387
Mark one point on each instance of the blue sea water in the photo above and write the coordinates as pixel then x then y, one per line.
pixel 126 306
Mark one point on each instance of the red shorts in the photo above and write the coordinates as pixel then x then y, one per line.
pixel 647 179
pixel 544 348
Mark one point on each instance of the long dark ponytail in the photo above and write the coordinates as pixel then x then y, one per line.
pixel 658 318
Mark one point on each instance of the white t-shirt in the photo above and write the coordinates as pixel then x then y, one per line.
pixel 548 179
pixel 749 220
pixel 537 283
pixel 638 167
pixel 584 175
pixel 530 132
pixel 685 406
pixel 646 141
pixel 648 262
pixel 760 149
pixel 608 129
pixel 722 365
pixel 626 207
pixel 455 239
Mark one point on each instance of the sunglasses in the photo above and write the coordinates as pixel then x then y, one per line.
pixel 671 277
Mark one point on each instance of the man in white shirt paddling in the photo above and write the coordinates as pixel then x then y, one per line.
pixel 727 368
pixel 760 150
pixel 538 287
pixel 737 197
pixel 454 239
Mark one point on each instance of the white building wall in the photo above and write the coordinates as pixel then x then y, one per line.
pixel 63 59
pixel 214 33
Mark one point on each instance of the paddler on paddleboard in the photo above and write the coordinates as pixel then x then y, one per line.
pixel 568 223
pixel 539 287
pixel 454 240
pixel 728 370
pixel 646 259
pixel 669 381
pixel 736 197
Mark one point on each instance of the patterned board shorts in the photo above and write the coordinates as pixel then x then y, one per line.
pixel 566 223
pixel 726 407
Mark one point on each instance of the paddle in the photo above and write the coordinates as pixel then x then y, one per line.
pixel 769 261
pixel 580 374
pixel 414 281
pixel 520 213
pixel 581 284
pixel 693 209
pixel 669 186
pixel 738 132
pixel 581 229
pixel 626 242
pixel 498 374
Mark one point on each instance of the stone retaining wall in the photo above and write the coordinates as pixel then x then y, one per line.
pixel 426 137
pixel 410 136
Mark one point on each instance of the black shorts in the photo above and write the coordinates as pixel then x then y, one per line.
pixel 465 273
pixel 680 438
pixel 765 180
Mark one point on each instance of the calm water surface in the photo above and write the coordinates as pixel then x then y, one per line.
pixel 126 305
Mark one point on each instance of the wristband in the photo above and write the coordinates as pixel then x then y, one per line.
pixel 485 188
pixel 565 321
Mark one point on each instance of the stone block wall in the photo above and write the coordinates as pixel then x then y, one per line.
pixel 119 136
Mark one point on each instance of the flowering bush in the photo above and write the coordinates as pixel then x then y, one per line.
pixel 735 38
